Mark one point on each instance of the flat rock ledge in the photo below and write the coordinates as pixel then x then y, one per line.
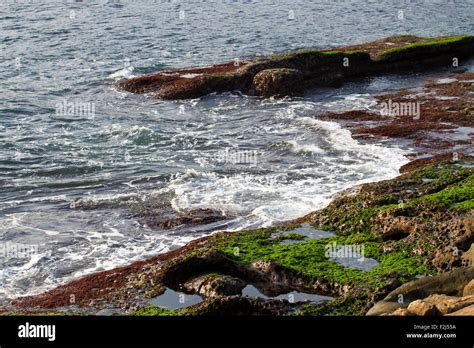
pixel 292 73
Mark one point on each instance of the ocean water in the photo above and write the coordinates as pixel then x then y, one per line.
pixel 78 157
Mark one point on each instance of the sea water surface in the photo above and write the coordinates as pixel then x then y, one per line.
pixel 69 180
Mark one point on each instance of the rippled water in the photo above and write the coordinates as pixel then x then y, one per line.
pixel 69 181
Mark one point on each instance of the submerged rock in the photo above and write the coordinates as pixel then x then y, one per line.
pixel 435 120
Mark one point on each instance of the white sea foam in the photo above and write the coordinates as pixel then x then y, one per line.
pixel 285 183
pixel 126 73
pixel 302 161
pixel 275 197
pixel 311 148
pixel 106 249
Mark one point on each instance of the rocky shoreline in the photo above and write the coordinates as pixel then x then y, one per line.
pixel 413 227
pixel 410 239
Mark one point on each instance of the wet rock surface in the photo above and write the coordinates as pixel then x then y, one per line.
pixel 420 223
pixel 433 217
pixel 292 72
pixel 436 120
pixel 160 219
pixel 278 82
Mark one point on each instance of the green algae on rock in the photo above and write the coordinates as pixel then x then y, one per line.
pixel 428 48
pixel 293 72
pixel 152 311
pixel 355 220
pixel 409 224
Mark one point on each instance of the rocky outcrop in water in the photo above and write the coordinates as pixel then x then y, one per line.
pixel 293 72
pixel 161 219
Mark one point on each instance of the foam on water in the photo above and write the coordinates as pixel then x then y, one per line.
pixel 71 183
pixel 329 161
pixel 300 163
pixel 311 148
pixel 126 73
